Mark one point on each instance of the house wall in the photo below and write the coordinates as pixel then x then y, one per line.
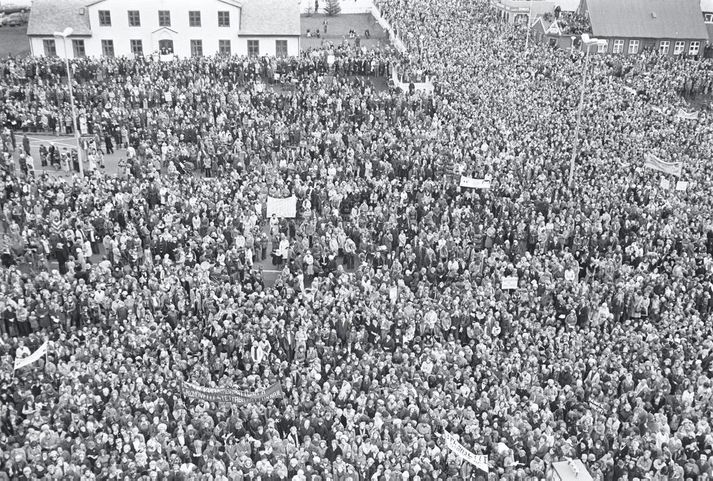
pixel 150 32
pixel 656 44
pixel 267 45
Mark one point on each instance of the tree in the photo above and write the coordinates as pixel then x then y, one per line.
pixel 332 8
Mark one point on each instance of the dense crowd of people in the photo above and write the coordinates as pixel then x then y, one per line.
pixel 388 324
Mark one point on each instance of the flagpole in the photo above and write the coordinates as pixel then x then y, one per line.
pixel 527 31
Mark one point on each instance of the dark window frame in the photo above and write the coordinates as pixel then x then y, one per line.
pixel 108 44
pixel 164 18
pixel 223 18
pixel 134 18
pixel 194 18
pixel 105 18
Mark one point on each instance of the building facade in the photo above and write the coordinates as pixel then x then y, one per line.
pixel 669 27
pixel 184 28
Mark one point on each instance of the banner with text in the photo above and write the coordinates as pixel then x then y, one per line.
pixel 471 183
pixel 653 162
pixel 682 114
pixel 232 396
pixel 284 208
pixel 480 461
pixel 26 361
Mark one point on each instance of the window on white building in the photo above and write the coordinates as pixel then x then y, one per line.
pixel 618 46
pixel 694 48
pixel 224 19
pixel 134 18
pixel 164 18
pixel 78 48
pixel 224 47
pixel 137 47
pixel 603 47
pixel 708 17
pixel 253 48
pixel 194 18
pixel 108 48
pixel 281 48
pixel 196 48
pixel 679 47
pixel 104 18
pixel 633 47
pixel 50 47
pixel 664 47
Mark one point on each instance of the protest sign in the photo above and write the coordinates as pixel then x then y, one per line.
pixel 232 396
pixel 510 282
pixel 41 351
pixel 665 184
pixel 653 162
pixel 681 185
pixel 480 461
pixel 682 114
pixel 471 183
pixel 283 208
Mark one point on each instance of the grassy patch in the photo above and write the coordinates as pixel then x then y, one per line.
pixel 14 41
pixel 338 30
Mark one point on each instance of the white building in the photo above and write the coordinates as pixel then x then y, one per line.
pixel 182 27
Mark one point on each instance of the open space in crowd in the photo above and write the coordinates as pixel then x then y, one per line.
pixel 393 326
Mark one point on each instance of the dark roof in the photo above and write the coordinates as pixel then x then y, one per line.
pixel 49 16
pixel 659 19
pixel 270 17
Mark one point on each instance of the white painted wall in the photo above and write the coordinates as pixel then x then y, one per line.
pixel 267 45
pixel 150 32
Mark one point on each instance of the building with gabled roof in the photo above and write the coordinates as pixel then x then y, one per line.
pixel 671 27
pixel 181 28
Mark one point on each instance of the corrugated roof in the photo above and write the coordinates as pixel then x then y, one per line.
pixel 675 19
pixel 49 16
pixel 270 17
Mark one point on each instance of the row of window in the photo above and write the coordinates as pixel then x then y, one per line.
pixel 164 18
pixel 664 47
pixel 165 46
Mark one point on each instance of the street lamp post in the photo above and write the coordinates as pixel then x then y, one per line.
pixel 527 32
pixel 586 40
pixel 64 35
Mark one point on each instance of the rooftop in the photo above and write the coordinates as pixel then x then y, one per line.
pixel 659 19
pixel 49 16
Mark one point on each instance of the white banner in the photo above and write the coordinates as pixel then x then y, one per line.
pixel 682 114
pixel 41 351
pixel 510 282
pixel 480 461
pixel 681 185
pixel 283 208
pixel 653 162
pixel 471 183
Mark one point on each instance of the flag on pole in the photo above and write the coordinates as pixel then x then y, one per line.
pixel 653 162
pixel 26 361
